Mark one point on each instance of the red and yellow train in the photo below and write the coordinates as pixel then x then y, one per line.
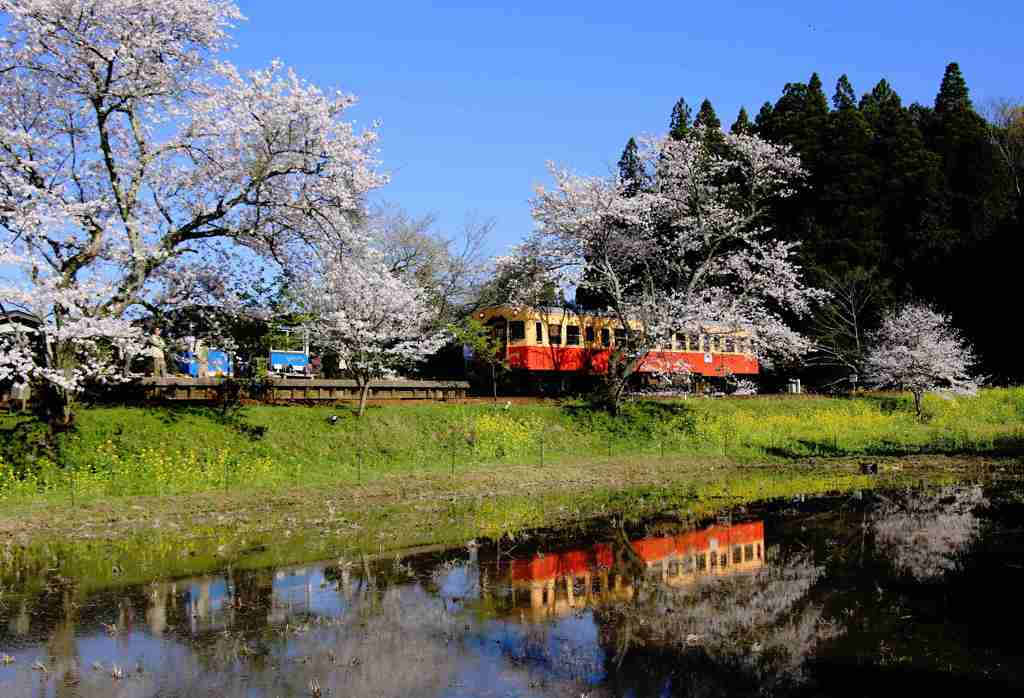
pixel 555 341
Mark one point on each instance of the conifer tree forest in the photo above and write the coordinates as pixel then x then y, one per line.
pixel 901 203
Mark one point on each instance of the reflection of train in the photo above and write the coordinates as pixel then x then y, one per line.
pixel 555 584
pixel 556 342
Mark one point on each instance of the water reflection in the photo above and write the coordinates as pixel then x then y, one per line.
pixel 924 534
pixel 758 606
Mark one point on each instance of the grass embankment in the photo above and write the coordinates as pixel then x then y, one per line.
pixel 159 489
pixel 135 540
pixel 169 451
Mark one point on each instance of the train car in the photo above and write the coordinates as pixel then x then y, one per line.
pixel 549 343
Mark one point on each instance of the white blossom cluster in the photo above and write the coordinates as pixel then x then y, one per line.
pixel 918 349
pixel 372 319
pixel 141 171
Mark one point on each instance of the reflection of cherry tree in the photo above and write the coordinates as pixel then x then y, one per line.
pixel 924 533
pixel 756 628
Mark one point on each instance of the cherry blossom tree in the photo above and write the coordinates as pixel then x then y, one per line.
pixel 919 350
pixel 135 163
pixel 376 322
pixel 693 251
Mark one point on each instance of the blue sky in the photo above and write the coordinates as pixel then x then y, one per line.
pixel 474 99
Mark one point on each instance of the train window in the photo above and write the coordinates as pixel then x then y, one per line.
pixel 702 562
pixel 724 560
pixel 516 330
pixel 673 568
pixel 730 345
pixel 680 342
pixel 590 334
pixel 620 336
pixel 714 560
pixel 748 552
pixel 737 554
pixel 758 551
pixel 572 334
pixel 555 334
pixel 693 342
pixel 606 338
pixel 539 329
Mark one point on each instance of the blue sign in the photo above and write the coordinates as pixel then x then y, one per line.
pixel 281 360
pixel 218 363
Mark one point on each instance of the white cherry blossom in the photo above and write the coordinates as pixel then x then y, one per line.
pixel 919 350
pixel 140 170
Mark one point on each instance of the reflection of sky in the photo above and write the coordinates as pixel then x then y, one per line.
pixel 491 657
pixel 324 600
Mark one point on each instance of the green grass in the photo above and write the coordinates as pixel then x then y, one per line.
pixel 324 528
pixel 170 451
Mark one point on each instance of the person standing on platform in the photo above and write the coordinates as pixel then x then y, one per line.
pixel 157 346
pixel 201 355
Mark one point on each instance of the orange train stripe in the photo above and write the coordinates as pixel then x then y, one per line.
pixel 596 361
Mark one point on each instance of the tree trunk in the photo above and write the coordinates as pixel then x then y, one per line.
pixel 494 381
pixel 918 398
pixel 364 391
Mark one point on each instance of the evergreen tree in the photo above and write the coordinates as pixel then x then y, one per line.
pixel 762 122
pixel 679 124
pixel 742 124
pixel 707 117
pixel 953 96
pixel 849 222
pixel 631 169
pixel 844 97
pixel 971 233
pixel 881 99
pixel 816 102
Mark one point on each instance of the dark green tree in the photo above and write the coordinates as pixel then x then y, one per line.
pixel 631 169
pixel 953 97
pixel 679 123
pixel 742 124
pixel 844 97
pixel 763 120
pixel 849 225
pixel 707 117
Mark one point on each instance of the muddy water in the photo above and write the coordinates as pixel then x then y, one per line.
pixel 871 594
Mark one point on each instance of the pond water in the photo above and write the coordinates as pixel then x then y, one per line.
pixel 864 594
